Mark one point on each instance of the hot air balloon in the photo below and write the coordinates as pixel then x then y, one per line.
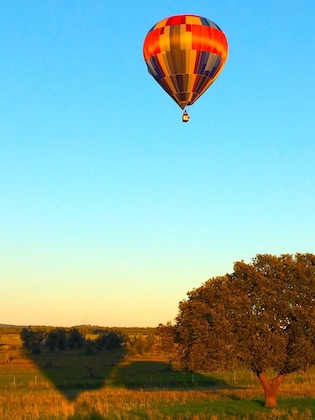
pixel 185 54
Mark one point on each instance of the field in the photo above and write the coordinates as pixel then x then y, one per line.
pixel 118 385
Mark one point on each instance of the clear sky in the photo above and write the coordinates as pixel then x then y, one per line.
pixel 111 208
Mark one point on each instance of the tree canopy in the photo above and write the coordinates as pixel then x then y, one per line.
pixel 262 316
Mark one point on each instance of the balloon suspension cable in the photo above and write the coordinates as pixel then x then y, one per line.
pixel 185 117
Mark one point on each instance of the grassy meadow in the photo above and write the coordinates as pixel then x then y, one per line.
pixel 74 384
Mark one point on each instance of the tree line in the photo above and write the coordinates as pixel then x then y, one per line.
pixel 62 339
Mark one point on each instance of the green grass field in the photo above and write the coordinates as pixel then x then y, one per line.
pixel 114 385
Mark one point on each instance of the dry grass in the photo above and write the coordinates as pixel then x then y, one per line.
pixel 126 404
pixel 27 394
pixel 40 400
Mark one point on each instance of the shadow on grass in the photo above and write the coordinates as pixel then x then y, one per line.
pixel 73 371
pixel 153 374
pixel 259 402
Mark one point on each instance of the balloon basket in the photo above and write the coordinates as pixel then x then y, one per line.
pixel 185 117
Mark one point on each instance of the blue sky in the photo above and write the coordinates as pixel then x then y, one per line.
pixel 111 208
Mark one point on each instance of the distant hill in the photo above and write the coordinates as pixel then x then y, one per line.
pixel 11 326
pixel 89 328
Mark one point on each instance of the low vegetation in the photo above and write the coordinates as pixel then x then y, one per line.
pixel 133 381
pixel 253 327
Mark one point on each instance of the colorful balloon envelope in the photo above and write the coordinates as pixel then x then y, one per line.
pixel 185 54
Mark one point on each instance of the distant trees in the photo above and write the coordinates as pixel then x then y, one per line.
pixel 166 342
pixel 110 340
pixel 61 339
pixel 139 344
pixel 32 339
pixel 75 338
pixel 262 316
pixel 57 339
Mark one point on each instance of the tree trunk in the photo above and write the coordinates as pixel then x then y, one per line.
pixel 271 388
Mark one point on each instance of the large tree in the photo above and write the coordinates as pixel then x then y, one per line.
pixel 262 316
